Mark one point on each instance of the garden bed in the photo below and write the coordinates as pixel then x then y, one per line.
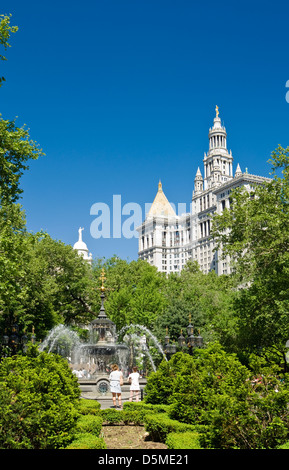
pixel 128 437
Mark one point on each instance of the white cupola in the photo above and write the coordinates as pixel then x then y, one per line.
pixel 81 247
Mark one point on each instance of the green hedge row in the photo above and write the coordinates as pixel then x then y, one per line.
pixel 183 440
pixel 158 424
pixel 90 407
pixel 146 407
pixel 89 424
pixel 87 441
pixel 88 427
pixel 123 416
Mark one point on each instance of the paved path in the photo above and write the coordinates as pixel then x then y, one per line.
pixel 105 402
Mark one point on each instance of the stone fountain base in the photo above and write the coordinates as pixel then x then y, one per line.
pixel 97 388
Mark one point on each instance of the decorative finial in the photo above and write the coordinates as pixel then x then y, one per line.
pixel 102 278
pixel 217 111
pixel 160 186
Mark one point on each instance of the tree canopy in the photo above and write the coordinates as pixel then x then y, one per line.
pixel 254 232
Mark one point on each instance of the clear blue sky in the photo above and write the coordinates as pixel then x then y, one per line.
pixel 121 93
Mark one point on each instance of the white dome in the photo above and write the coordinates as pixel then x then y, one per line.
pixel 80 245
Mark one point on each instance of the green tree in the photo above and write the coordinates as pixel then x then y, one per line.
pixel 254 232
pixel 59 285
pixel 206 297
pixel 43 282
pixel 16 148
pixel 134 291
pixel 12 252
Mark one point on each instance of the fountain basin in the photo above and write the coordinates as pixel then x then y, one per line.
pixel 97 388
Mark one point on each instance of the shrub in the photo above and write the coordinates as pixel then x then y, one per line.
pixel 134 417
pixel 161 383
pixel 111 416
pixel 183 440
pixel 39 398
pixel 146 407
pixel 87 441
pixel 89 424
pixel 160 425
pixel 213 391
pixel 89 407
pixel 123 416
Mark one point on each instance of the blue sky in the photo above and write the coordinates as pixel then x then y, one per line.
pixel 121 93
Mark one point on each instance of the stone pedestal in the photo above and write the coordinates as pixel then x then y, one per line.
pixel 97 388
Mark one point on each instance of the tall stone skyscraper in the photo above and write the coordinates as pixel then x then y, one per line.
pixel 168 240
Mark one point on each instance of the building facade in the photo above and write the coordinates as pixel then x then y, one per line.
pixel 168 240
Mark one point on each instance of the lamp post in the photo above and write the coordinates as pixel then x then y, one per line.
pixel 24 341
pixel 170 348
pixel 190 328
pixel 15 342
pixel 191 341
pixel 181 340
pixel 199 341
pixel 14 338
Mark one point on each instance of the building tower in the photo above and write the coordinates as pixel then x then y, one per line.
pixel 168 240
pixel 218 162
pixel 199 182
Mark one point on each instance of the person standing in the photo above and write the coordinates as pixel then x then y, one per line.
pixel 134 384
pixel 116 380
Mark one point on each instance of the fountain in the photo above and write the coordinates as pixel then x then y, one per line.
pixel 145 348
pixel 102 350
pixel 91 360
pixel 61 340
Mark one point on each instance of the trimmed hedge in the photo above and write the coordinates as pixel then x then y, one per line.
pixel 112 416
pixel 183 440
pixel 146 407
pixel 87 441
pixel 89 424
pixel 89 407
pixel 88 427
pixel 160 425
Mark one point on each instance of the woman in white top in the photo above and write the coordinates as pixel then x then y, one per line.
pixel 134 384
pixel 116 380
